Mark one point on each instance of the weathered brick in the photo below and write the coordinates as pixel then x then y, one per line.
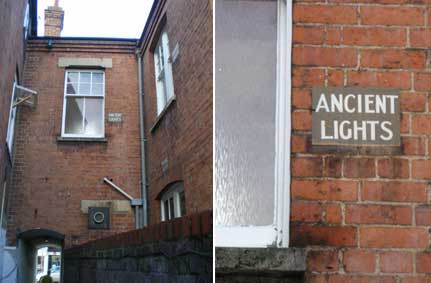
pixel 396 262
pixel 416 279
pixel 322 261
pixel 374 36
pixel 421 169
pixel 413 101
pixel 405 123
pixel 335 77
pixel 301 120
pixel 393 59
pixel 423 262
pixel 304 235
pixel 299 143
pixel 333 214
pixel 422 81
pixel 361 279
pixel 359 167
pixel 394 191
pixel 413 145
pixel 301 98
pixel 315 278
pixel 332 166
pixel 393 168
pixel 310 212
pixel 324 14
pixel 423 215
pixel 359 261
pixel 421 124
pixel 333 35
pixel 324 56
pixel 381 1
pixel 399 79
pixel 304 166
pixel 307 77
pixel 308 34
pixel 378 214
pixel 393 237
pixel 377 15
pixel 420 37
pixel 324 190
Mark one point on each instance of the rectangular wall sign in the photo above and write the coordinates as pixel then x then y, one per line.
pixel 355 116
pixel 115 117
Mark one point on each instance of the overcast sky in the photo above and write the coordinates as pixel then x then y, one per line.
pixel 100 18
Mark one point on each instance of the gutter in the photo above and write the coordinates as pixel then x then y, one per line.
pixel 144 191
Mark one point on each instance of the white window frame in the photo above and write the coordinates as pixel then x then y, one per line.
pixel 163 76
pixel 172 192
pixel 11 120
pixel 26 23
pixel 276 235
pixel 102 96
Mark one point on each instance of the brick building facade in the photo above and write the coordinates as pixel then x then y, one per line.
pixel 58 178
pixel 179 133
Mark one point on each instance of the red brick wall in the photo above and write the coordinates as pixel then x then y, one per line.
pixel 11 59
pixel 51 178
pixel 363 218
pixel 184 134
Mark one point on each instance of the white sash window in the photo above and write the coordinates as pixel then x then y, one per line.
pixel 163 72
pixel 84 104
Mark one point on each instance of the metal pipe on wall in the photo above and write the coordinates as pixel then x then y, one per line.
pixel 144 216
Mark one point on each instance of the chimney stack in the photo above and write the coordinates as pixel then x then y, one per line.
pixel 54 16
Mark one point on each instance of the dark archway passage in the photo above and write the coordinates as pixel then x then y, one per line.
pixel 28 242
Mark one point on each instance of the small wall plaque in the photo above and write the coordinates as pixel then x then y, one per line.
pixel 355 117
pixel 115 117
pixel 175 53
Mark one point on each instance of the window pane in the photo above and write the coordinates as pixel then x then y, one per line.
pixel 84 77
pixel 94 116
pixel 171 208
pixel 84 88
pixel 97 78
pixel 97 89
pixel 166 209
pixel 72 77
pixel 245 46
pixel 72 88
pixel 74 114
pixel 168 78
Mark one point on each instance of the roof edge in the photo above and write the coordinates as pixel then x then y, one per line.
pixel 148 23
pixel 134 40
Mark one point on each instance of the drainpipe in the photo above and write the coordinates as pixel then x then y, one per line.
pixel 144 217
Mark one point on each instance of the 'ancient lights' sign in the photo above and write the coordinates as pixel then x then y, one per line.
pixel 355 117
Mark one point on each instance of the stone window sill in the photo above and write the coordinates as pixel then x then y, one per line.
pixel 234 263
pixel 69 139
